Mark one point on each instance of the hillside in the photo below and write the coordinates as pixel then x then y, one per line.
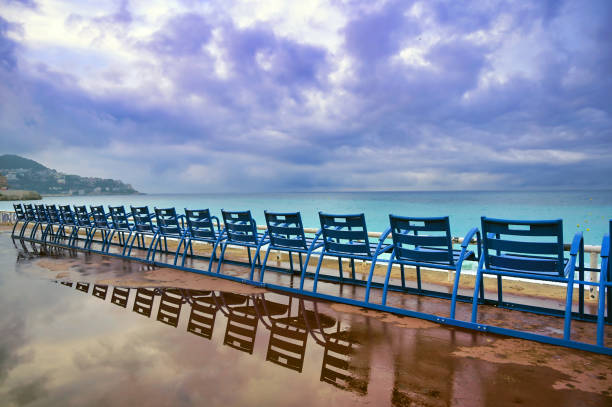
pixel 25 174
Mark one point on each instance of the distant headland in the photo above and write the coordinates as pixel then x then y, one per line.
pixel 22 178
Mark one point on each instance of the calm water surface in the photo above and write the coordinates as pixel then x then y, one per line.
pixel 75 342
pixel 587 211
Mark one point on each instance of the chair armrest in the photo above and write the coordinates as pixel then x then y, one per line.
pixel 605 246
pixel 382 239
pixel 218 223
pixel 576 244
pixel 469 236
pixel 577 247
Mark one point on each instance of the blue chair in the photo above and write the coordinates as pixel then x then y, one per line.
pixel 169 225
pixel 143 226
pixel 286 232
pixel 241 230
pixel 68 219
pixel 100 223
pixel 20 214
pixel 529 250
pixel 121 226
pixel 201 228
pixel 41 219
pixel 55 219
pixel 427 242
pixel 346 236
pixel 30 217
pixel 83 221
pixel 605 286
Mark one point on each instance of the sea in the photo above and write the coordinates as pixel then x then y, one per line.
pixel 588 211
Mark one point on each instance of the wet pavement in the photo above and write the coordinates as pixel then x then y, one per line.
pixel 94 330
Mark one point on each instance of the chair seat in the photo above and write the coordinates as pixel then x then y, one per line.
pixel 470 255
pixel 526 272
pixel 385 248
pixel 309 241
pixel 240 242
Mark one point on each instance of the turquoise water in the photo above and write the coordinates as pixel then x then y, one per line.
pixel 587 211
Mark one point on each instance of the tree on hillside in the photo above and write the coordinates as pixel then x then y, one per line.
pixel 3 182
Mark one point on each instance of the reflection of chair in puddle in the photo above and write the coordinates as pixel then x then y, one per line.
pixel 81 287
pixel 143 303
pixel 342 366
pixel 120 296
pixel 100 291
pixel 203 313
pixel 170 307
pixel 242 320
pixel 288 333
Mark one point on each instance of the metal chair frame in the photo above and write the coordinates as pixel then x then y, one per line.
pixel 537 260
pixel 240 229
pixel 286 233
pixel 200 228
pixel 169 225
pixel 427 242
pixel 346 236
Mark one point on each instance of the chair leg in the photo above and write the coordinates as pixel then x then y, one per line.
pixel 110 235
pixel 455 289
pixel 403 277
pixel 386 287
pixel 601 309
pixel 301 265
pixel 316 276
pixel 23 229
pixel 500 294
pixel 340 269
pixel 304 269
pixel 153 247
pixel 418 273
pixel 568 306
pixel 263 266
pixel 221 258
pixel 475 297
pixel 14 226
pixel 131 246
pixel 126 243
pixel 187 246
pixel 178 249
pixel 291 262
pixel 217 243
pixel 370 275
pixel 353 269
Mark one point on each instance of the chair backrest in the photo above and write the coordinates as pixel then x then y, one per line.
pixel 142 218
pixel 67 215
pixel 286 230
pixel 119 217
pixel 100 219
pixel 53 214
pixel 19 212
pixel 414 239
pixel 199 223
pixel 82 216
pixel 240 226
pixel 530 247
pixel 28 210
pixel 41 213
pixel 167 221
pixel 345 234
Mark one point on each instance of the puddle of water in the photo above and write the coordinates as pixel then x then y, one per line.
pixel 121 333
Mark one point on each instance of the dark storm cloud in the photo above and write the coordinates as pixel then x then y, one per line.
pixel 500 94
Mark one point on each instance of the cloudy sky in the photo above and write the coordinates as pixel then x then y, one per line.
pixel 193 96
